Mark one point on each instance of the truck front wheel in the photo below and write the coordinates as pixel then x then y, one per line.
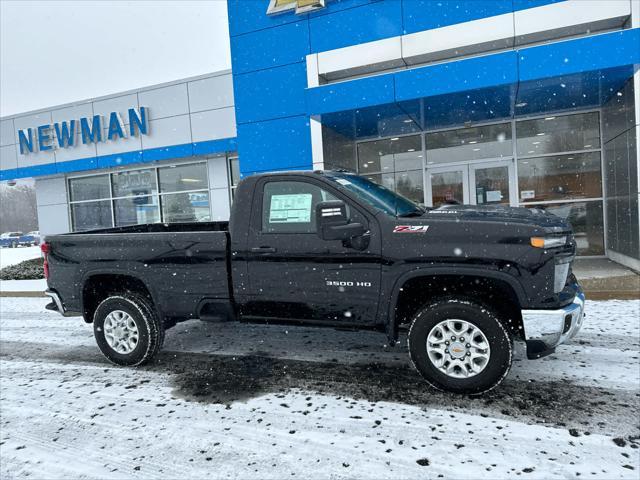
pixel 127 329
pixel 460 346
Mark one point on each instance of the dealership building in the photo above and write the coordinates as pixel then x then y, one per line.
pixel 532 103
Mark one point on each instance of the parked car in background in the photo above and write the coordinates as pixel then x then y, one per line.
pixel 10 239
pixel 31 238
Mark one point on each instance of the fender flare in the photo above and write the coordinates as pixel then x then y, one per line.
pixel 93 273
pixel 391 327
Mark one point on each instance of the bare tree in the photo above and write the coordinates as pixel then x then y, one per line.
pixel 18 211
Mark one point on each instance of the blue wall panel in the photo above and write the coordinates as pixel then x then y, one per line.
pixel 351 26
pixel 273 93
pixel 419 15
pixel 270 48
pixel 333 6
pixel 275 144
pixel 251 15
pixel 355 94
pixel 463 75
pixel 607 50
pixel 524 4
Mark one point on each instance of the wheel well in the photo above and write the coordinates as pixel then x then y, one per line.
pixel 99 287
pixel 495 294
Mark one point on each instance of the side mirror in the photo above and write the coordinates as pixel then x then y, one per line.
pixel 332 222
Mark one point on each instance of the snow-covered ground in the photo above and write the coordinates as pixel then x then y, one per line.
pixel 254 401
pixel 11 256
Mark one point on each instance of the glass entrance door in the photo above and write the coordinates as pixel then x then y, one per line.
pixel 489 183
pixel 448 185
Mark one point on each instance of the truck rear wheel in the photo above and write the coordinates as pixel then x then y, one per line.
pixel 127 329
pixel 460 346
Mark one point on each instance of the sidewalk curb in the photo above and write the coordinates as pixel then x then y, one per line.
pixel 22 294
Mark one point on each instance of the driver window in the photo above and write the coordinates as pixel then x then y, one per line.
pixel 290 207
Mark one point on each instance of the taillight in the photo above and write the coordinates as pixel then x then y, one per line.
pixel 45 248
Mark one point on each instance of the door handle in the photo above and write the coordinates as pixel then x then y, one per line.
pixel 263 250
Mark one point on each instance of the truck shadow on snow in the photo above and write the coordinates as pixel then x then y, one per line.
pixel 226 379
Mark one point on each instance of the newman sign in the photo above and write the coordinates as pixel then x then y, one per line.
pixel 63 134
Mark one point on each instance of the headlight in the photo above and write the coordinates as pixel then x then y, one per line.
pixel 548 242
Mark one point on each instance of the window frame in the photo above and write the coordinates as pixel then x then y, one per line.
pixel 353 210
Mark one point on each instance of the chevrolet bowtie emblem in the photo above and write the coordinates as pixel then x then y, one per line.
pixel 300 6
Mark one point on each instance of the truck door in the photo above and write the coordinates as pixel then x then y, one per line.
pixel 293 273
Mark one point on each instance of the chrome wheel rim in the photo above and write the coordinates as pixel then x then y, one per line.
pixel 458 348
pixel 121 332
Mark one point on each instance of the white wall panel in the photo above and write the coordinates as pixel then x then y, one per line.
pixel 219 201
pixel 165 102
pixel 51 191
pixel 7 132
pixel 569 18
pixel 211 93
pixel 218 175
pixel 8 157
pixel 167 131
pixel 313 74
pixel 356 59
pixel 77 151
pixel 460 39
pixel 53 219
pixel 36 158
pixel 32 121
pixel 75 112
pixel 118 145
pixel 213 124
pixel 120 104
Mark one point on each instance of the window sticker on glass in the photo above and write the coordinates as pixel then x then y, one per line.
pixel 294 208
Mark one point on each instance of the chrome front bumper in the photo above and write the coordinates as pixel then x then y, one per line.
pixel 544 330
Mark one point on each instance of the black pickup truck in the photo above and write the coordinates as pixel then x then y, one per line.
pixel 333 249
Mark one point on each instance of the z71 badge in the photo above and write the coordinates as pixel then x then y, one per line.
pixel 411 229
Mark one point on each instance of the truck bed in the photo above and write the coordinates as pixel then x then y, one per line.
pixel 162 228
pixel 182 265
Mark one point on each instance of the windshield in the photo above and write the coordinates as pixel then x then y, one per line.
pixel 377 196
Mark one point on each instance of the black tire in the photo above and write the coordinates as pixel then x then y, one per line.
pixel 150 328
pixel 499 340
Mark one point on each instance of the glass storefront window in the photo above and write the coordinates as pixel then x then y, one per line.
pixel 91 215
pixel 560 177
pixel 132 197
pixel 136 210
pixel 89 188
pixel 179 178
pixel 395 154
pixel 185 207
pixel 409 184
pixel 586 221
pixel 134 183
pixel 489 141
pixel 552 134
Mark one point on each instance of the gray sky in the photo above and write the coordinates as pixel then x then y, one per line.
pixel 54 52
